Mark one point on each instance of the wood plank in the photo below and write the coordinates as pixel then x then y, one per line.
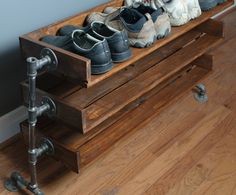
pixel 71 97
pixel 78 67
pixel 205 61
pixel 146 177
pixel 65 111
pixel 123 153
pixel 86 145
pixel 199 177
pixel 11 140
pixel 69 64
pixel 87 96
pixel 177 178
pixel 176 32
pixel 65 154
pixel 212 27
pixel 229 23
pixel 129 155
pixel 115 101
pixel 90 151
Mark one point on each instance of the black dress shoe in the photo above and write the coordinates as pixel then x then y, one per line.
pixel 96 50
pixel 117 40
pixel 85 45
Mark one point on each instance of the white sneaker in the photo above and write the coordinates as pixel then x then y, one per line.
pixel 194 8
pixel 176 9
pixel 178 12
pixel 136 3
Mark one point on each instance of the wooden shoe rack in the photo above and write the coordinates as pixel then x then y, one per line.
pixel 94 112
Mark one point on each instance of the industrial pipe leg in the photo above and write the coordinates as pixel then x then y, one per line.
pixel 201 93
pixel 16 182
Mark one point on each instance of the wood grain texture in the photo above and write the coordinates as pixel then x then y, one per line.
pixel 201 136
pixel 78 67
pixel 86 146
pixel 87 96
pixel 69 64
pixel 94 104
pixel 176 32
pixel 115 101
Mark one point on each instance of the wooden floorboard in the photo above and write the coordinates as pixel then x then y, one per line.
pixel 188 149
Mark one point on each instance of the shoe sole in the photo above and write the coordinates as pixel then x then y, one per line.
pixel 121 57
pixel 142 43
pixel 101 69
pixel 161 36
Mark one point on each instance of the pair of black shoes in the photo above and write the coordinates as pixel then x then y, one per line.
pixel 101 44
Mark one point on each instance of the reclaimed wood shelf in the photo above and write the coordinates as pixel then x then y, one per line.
pixel 98 105
pixel 76 150
pixel 78 67
pixel 91 119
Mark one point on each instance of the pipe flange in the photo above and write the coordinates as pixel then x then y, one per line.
pixel 15 183
pixel 201 98
pixel 51 112
pixel 11 185
pixel 201 95
pixel 50 148
pixel 53 62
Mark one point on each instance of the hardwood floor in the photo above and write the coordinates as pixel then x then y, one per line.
pixel 189 148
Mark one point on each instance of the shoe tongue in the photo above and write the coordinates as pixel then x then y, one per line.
pixel 156 14
pixel 84 40
pixel 102 30
pixel 137 26
pixel 146 9
pixel 133 19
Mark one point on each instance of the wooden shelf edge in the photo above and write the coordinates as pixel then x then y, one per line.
pixel 79 67
pixel 176 32
pixel 76 156
pixel 80 118
pixel 96 113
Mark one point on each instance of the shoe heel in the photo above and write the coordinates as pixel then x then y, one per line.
pixel 121 57
pixel 101 69
pixel 142 43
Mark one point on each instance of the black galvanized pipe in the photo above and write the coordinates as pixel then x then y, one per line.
pixel 32 64
pixel 16 181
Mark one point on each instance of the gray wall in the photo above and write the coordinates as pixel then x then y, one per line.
pixel 20 17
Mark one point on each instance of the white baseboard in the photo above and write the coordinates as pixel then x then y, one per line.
pixel 9 123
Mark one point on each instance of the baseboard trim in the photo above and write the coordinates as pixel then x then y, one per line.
pixel 9 123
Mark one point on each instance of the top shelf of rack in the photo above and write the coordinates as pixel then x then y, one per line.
pixel 78 67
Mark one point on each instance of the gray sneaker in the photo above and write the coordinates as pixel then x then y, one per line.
pixel 160 18
pixel 176 9
pixel 140 28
